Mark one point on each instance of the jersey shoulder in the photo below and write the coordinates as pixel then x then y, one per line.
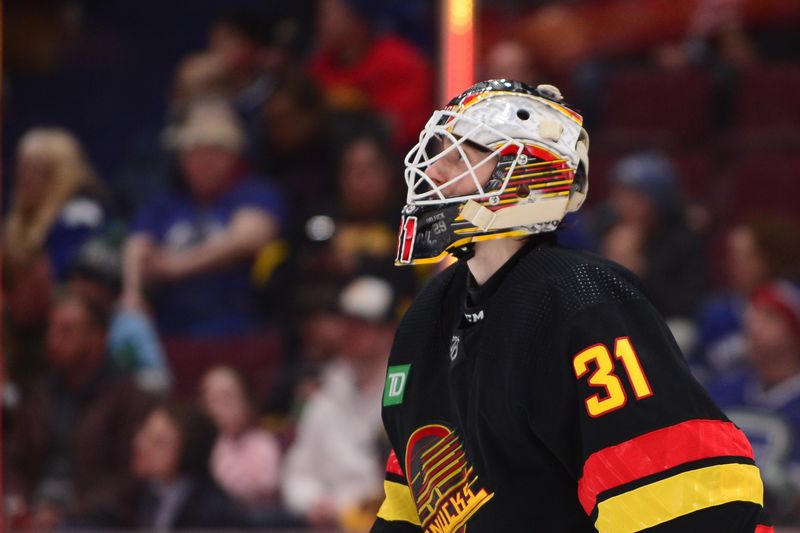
pixel 580 279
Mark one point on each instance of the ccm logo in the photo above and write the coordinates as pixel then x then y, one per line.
pixel 474 317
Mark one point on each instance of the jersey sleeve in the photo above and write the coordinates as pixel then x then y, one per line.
pixel 655 452
pixel 398 513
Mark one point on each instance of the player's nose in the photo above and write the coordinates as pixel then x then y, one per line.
pixel 436 172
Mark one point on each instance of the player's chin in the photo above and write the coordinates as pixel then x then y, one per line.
pixel 460 193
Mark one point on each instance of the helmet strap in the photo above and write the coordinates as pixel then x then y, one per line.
pixel 527 214
pixel 464 253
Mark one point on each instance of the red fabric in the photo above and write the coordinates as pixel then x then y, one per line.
pixel 396 80
pixel 658 451
pixel 393 465
pixel 764 529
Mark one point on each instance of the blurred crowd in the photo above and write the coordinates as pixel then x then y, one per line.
pixel 200 340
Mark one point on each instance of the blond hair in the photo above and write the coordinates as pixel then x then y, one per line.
pixel 71 172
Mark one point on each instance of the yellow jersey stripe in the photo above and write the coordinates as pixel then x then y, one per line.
pixel 398 505
pixel 679 495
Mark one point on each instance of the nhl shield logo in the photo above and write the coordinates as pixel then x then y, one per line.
pixel 454 347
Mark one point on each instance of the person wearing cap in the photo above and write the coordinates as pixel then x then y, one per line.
pixel 764 399
pixel 335 464
pixel 648 234
pixel 197 244
pixel 756 250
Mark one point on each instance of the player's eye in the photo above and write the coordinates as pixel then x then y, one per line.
pixel 433 147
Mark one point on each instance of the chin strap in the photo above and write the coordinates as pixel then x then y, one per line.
pixel 464 253
pixel 527 214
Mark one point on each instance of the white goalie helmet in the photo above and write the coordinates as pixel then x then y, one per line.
pixel 537 152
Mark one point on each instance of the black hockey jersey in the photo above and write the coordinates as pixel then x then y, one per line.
pixel 554 399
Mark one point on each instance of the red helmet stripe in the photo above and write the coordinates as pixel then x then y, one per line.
pixel 406 238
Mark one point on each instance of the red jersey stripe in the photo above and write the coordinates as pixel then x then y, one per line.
pixel 657 451
pixel 393 465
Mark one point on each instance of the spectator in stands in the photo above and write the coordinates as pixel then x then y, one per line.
pixel 198 244
pixel 55 204
pixel 171 453
pixel 254 48
pixel 297 146
pixel 66 455
pixel 319 321
pixel 149 166
pixel 361 70
pixel 369 203
pixel 757 250
pixel 764 399
pixel 246 457
pixel 133 342
pixel 248 51
pixel 358 232
pixel 258 48
pixel 333 469
pixel 315 333
pixel 645 230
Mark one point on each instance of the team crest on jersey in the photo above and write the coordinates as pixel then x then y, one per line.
pixel 445 487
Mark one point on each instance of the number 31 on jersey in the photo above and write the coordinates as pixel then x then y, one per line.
pixel 613 396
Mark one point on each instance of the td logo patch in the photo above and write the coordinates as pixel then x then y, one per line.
pixel 395 387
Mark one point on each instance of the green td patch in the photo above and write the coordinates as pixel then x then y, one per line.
pixel 395 387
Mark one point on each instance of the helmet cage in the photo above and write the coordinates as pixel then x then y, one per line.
pixel 422 190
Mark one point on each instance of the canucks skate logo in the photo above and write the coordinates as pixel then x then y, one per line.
pixel 443 483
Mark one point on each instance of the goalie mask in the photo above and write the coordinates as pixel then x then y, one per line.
pixel 502 159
